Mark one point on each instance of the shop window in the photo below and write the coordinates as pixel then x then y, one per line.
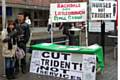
pixel 35 23
pixel 40 18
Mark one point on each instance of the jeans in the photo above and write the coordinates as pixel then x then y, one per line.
pixel 9 66
pixel 9 63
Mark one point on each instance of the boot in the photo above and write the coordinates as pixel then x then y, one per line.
pixel 13 75
pixel 23 69
pixel 8 75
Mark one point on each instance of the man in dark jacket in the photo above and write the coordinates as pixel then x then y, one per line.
pixel 23 34
pixel 69 34
pixel 66 26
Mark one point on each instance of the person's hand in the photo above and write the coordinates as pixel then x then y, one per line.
pixel 6 40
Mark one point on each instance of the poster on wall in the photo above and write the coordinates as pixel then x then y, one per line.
pixel 103 10
pixel 95 26
pixel 64 65
pixel 68 12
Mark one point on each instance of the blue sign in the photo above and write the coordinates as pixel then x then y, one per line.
pixel 8 11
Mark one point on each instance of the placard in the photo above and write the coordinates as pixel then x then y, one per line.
pixel 68 12
pixel 64 65
pixel 95 26
pixel 103 10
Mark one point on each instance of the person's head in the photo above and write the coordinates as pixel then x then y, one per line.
pixel 21 17
pixel 11 24
pixel 27 17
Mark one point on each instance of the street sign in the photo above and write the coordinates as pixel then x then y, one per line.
pixel 68 12
pixel 103 10
pixel 64 65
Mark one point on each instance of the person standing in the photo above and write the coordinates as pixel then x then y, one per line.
pixel 27 20
pixel 23 35
pixel 66 26
pixel 9 48
pixel 69 34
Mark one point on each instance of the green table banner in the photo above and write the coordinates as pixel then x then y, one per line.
pixel 93 49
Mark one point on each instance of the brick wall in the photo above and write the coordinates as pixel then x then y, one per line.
pixel 40 2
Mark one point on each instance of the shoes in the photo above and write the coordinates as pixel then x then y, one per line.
pixel 23 70
pixel 17 71
pixel 11 77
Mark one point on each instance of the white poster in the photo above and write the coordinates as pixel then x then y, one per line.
pixel 89 67
pixel 109 26
pixel 68 12
pixel 95 26
pixel 103 10
pixel 63 65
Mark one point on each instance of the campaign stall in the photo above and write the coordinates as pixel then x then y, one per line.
pixel 69 62
pixel 69 13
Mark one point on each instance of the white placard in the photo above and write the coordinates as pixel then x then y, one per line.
pixel 109 26
pixel 64 65
pixel 103 10
pixel 95 26
pixel 68 12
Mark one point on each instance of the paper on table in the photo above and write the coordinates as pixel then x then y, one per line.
pixel 93 46
pixel 61 47
pixel 46 44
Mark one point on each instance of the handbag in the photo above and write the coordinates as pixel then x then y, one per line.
pixel 19 53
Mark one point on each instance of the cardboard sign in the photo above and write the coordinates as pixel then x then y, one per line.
pixel 68 12
pixel 103 10
pixel 64 65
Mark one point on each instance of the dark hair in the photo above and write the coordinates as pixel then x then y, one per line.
pixel 10 22
pixel 21 14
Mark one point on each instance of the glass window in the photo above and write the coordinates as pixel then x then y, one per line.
pixel 35 23
pixel 40 18
pixel 35 15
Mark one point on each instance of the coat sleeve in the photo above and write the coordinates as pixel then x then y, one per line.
pixel 3 34
pixel 27 33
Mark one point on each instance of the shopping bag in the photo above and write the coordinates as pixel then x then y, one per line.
pixel 19 53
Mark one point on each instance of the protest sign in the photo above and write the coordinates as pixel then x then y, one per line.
pixel 68 12
pixel 64 65
pixel 95 26
pixel 103 10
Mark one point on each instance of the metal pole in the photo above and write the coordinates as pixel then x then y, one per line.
pixel 3 26
pixel 103 37
pixel 86 35
pixel 51 32
pixel 3 14
pixel 86 24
